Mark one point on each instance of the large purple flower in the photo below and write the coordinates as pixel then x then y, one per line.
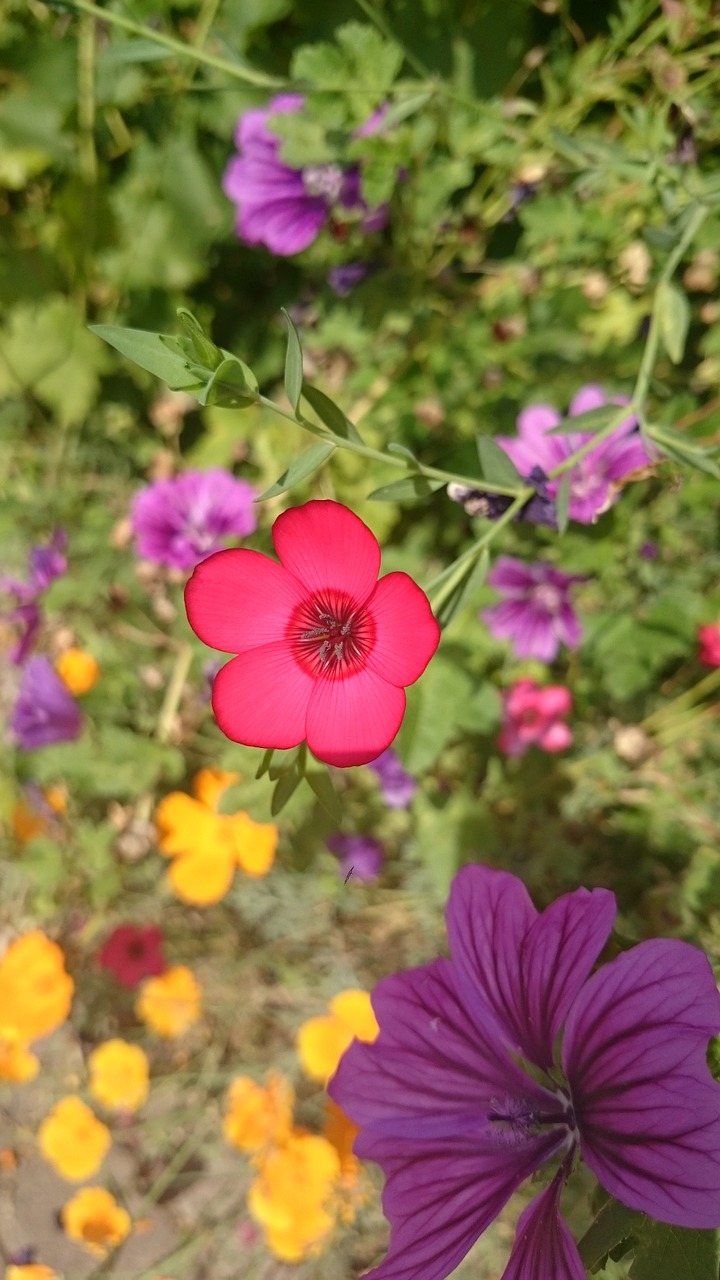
pixel 46 563
pixel 536 614
pixel 593 479
pixel 448 1107
pixel 280 207
pixel 44 712
pixel 181 521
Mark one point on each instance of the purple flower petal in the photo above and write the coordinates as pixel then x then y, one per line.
pixel 397 786
pixel 647 1108
pixel 517 969
pixel 181 521
pixel 544 1248
pixel 44 712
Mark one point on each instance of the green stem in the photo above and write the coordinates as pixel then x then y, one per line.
pixel 173 693
pixel 685 700
pixel 179 47
pixel 446 582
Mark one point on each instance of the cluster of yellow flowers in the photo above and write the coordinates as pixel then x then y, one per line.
pixel 171 1002
pixel 35 997
pixel 305 1183
pixel 205 845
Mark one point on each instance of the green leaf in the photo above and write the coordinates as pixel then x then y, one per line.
pixel 149 352
pixel 682 450
pixel 410 489
pixel 402 452
pixel 285 787
pixel 673 314
pixel 563 503
pixel 307 463
pixel 360 57
pixel 331 414
pixel 232 386
pixel 405 108
pixel 593 420
pixel 496 466
pixel 674 1253
pixel 293 364
pixel 265 763
pixel 321 783
pixel 466 590
pixel 206 353
pixel 613 1224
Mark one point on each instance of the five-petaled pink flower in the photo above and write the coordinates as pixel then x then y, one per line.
pixel 534 716
pixel 325 650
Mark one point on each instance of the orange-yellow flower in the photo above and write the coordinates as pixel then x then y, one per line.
pixel 119 1075
pixel 321 1042
pixel 95 1219
pixel 207 846
pixel 257 1116
pixel 28 821
pixel 78 670
pixel 170 1003
pixel 17 1064
pixel 340 1131
pixel 73 1139
pixel 30 1271
pixel 291 1198
pixel 35 990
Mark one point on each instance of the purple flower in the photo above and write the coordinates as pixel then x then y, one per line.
pixel 593 480
pixel 397 786
pixel 360 855
pixel 283 208
pixel 539 509
pixel 448 1107
pixel 44 712
pixel 343 279
pixel 181 521
pixel 46 563
pixel 536 614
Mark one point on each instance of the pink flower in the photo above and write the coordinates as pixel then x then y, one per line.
pixel 324 649
pixel 533 716
pixel 133 952
pixel 709 644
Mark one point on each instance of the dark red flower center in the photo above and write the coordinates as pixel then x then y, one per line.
pixel 331 635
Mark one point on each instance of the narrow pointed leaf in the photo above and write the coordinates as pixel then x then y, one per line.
pixel 496 466
pixel 562 503
pixel 149 351
pixel 465 591
pixel 331 414
pixel 411 489
pixel 321 783
pixel 233 386
pixel 265 763
pixel 286 786
pixel 293 364
pixel 205 350
pixel 309 461
pixel 591 421
pixel 673 320
pixel 402 451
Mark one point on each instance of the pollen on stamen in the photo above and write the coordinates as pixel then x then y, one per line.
pixel 331 635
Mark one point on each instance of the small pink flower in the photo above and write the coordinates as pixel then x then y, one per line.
pixel 324 649
pixel 709 644
pixel 533 716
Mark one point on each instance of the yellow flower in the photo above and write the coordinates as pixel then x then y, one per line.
pixel 78 670
pixel 207 846
pixel 31 1271
pixel 340 1131
pixel 35 990
pixel 170 1003
pixel 95 1219
pixel 73 1139
pixel 119 1075
pixel 291 1197
pixel 258 1117
pixel 321 1042
pixel 17 1064
pixel 28 821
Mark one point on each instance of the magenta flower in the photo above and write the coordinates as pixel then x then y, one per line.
pixel 536 614
pixel 46 563
pixel 324 649
pixel 359 856
pixel 709 644
pixel 179 522
pixel 133 952
pixel 448 1107
pixel 44 712
pixel 593 480
pixel 534 716
pixel 283 208
pixel 396 785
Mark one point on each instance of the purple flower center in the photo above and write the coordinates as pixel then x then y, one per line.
pixel 331 635
pixel 325 180
pixel 514 1120
pixel 587 479
pixel 547 596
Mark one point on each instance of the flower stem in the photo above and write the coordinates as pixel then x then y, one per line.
pixel 447 581
pixel 173 693
pixel 684 701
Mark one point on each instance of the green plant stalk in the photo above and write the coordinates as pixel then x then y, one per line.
pixel 683 702
pixel 447 581
pixel 178 47
pixel 174 692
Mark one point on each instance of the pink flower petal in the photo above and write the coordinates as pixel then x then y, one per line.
pixel 237 600
pixel 327 547
pixel 352 720
pixel 261 698
pixel 406 633
pixel 544 1248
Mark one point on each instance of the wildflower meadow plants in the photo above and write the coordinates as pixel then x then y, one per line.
pixel 359 462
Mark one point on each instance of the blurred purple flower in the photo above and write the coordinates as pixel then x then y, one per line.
pixel 539 509
pixel 343 279
pixel 447 1106
pixel 45 564
pixel 593 487
pixel 44 712
pixel 360 855
pixel 536 614
pixel 397 786
pixel 181 521
pixel 278 206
